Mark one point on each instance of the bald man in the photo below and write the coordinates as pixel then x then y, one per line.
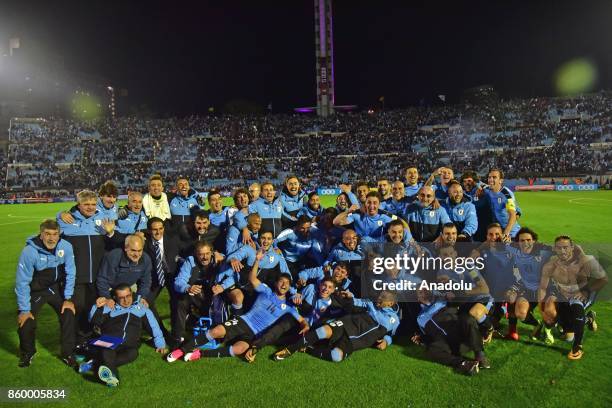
pixel 125 265
pixel 254 191
pixel 424 218
pixel 398 201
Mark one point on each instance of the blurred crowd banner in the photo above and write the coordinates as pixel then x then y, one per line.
pixel 542 187
pixel 36 200
pixel 577 187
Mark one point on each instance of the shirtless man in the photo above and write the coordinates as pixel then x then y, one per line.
pixel 576 279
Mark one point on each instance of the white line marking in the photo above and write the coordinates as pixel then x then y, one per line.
pixel 22 216
pixel 17 222
pixel 577 200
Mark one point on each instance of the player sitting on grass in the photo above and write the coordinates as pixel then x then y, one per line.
pixel 123 322
pixel 269 306
pixel 367 325
pixel 476 302
pixel 319 302
pixel 201 287
pixel 576 279
pixel 444 331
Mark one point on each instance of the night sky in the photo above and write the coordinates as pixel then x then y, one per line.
pixel 183 58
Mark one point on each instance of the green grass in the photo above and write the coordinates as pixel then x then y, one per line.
pixel 523 373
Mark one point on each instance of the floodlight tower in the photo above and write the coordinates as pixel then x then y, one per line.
pixel 325 57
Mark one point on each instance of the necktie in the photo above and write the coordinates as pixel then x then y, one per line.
pixel 159 264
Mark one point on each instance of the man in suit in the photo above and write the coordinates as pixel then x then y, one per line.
pixel 164 249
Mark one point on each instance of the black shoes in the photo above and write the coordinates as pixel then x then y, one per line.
pixel 26 359
pixel 468 367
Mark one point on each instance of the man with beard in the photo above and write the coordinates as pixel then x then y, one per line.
pixel 576 278
pixel 470 182
pixel 183 204
pixel 502 204
pixel 198 281
pixel 529 258
pixel 461 211
pixel 346 198
pixel 299 248
pixel 312 209
pixel 200 230
pixel 362 190
pixel 384 189
pixel 348 251
pixel 292 200
pixel 448 236
pixel 369 224
pixel 412 183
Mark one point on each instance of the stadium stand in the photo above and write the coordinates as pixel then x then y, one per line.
pixel 547 136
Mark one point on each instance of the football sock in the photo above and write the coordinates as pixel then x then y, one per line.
pixel 220 352
pixel 334 354
pixel 237 309
pixel 578 315
pixel 531 320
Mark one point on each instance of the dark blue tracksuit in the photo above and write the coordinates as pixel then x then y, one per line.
pixel 118 268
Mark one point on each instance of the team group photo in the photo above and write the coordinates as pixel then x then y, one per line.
pixel 179 229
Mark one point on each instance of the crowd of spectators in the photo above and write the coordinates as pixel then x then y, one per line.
pixel 529 137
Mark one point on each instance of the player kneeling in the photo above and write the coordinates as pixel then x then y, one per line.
pixel 576 278
pixel 269 306
pixel 369 324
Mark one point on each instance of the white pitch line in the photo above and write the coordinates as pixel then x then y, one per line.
pixel 22 216
pixel 17 222
pixel 576 200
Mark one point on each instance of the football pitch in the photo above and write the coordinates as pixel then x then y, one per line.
pixel 523 373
